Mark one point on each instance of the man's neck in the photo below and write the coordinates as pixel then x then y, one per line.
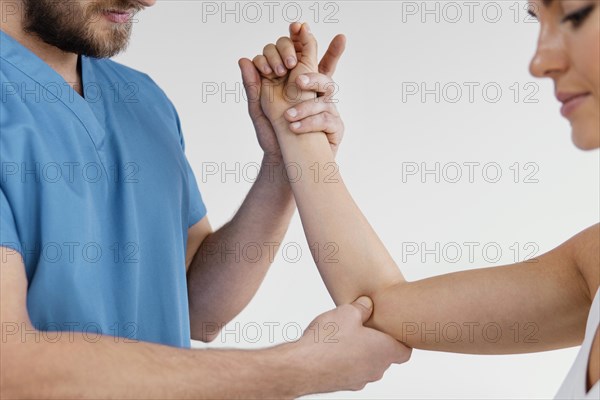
pixel 65 64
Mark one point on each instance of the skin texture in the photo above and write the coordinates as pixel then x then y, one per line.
pixel 549 298
pixel 110 368
pixel 263 217
pixel 34 365
pixel 53 22
pixel 570 56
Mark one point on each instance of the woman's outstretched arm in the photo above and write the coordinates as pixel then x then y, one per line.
pixel 531 306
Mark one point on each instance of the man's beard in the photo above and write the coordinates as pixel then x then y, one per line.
pixel 77 27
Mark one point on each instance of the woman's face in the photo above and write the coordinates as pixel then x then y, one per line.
pixel 568 51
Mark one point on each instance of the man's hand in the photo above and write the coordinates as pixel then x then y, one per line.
pixel 318 115
pixel 344 354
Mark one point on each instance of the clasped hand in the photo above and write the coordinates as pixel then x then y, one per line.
pixel 287 85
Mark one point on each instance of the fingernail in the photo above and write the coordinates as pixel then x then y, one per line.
pixel 267 69
pixel 292 112
pixel 296 125
pixel 281 70
pixel 304 79
pixel 365 302
pixel 291 61
pixel 307 28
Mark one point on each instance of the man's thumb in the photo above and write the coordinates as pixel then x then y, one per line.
pixel 251 79
pixel 365 305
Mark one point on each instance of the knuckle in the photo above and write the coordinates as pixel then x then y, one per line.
pixel 377 375
pixel 309 123
pixel 332 108
pixel 326 80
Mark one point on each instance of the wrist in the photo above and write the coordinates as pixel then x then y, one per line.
pixel 280 124
pixel 271 159
pixel 273 172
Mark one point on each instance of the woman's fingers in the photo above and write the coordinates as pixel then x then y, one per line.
pixel 287 52
pixel 261 64
pixel 278 58
pixel 274 59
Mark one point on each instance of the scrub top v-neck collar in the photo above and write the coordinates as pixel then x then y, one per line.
pixel 55 88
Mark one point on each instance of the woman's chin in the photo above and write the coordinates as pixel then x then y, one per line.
pixel 586 137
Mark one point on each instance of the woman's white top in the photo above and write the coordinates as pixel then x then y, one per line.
pixel 574 386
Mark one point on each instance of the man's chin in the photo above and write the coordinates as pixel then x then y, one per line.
pixel 105 44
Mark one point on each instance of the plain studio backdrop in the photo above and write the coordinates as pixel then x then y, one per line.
pixel 456 155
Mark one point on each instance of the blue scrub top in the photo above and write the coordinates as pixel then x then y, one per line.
pixel 97 196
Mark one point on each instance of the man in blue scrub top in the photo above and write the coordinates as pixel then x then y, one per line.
pixel 108 261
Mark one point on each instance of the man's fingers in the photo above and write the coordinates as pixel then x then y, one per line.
pixel 402 353
pixel 287 51
pixel 323 122
pixel 318 83
pixel 311 107
pixel 330 60
pixel 364 304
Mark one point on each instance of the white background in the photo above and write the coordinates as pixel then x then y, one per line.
pixel 189 51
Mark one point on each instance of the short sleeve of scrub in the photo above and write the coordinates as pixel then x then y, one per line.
pixel 197 206
pixel 98 195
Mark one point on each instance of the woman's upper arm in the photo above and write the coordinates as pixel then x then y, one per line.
pixel 536 305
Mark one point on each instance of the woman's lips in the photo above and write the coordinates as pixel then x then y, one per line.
pixel 118 17
pixel 571 102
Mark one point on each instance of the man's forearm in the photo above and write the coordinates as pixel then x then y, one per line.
pixel 74 367
pixel 359 263
pixel 231 263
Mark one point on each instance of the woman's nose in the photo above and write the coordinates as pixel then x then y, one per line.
pixel 550 57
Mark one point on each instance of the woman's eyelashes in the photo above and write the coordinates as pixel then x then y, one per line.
pixel 577 18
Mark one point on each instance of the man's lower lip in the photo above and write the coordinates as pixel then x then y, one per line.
pixel 572 104
pixel 118 18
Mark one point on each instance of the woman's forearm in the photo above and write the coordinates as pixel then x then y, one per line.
pixel 526 307
pixel 351 258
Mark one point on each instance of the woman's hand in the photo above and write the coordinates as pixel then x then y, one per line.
pixel 272 89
